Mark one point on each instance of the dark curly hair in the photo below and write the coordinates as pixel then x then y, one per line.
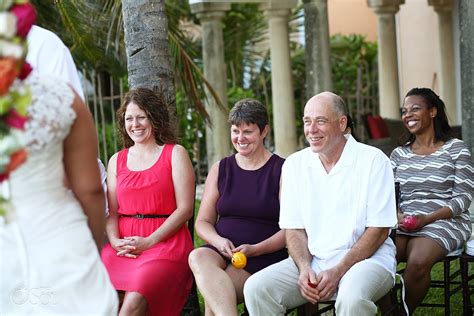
pixel 443 131
pixel 156 111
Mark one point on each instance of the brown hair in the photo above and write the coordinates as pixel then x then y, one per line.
pixel 249 111
pixel 156 111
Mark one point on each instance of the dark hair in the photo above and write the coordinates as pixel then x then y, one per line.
pixel 249 111
pixel 442 129
pixel 156 111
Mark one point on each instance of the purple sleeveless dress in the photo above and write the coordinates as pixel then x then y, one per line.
pixel 249 207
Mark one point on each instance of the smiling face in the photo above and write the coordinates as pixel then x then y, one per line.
pixel 247 138
pixel 323 127
pixel 417 115
pixel 137 124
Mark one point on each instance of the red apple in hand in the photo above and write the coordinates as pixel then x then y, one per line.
pixel 410 222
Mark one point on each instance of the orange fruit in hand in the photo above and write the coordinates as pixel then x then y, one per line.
pixel 239 260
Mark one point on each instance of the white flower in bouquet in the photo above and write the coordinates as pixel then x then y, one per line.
pixel 7 24
pixel 11 49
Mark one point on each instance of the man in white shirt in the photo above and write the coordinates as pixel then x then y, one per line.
pixel 48 55
pixel 337 207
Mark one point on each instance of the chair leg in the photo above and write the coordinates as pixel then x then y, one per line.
pixel 388 304
pixel 466 288
pixel 450 285
pixel 447 284
pixel 300 310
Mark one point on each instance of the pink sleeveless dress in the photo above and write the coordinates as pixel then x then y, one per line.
pixel 161 274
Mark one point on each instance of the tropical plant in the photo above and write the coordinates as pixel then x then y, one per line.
pixel 355 77
pixel 348 54
pixel 93 29
pixel 245 32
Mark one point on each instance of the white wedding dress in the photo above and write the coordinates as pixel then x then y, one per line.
pixel 49 263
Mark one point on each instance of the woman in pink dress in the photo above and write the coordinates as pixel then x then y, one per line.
pixel 151 195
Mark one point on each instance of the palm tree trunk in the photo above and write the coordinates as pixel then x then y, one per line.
pixel 146 42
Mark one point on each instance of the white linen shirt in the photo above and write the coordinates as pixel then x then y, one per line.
pixel 336 207
pixel 48 55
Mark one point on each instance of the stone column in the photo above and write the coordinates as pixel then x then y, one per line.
pixel 466 27
pixel 389 88
pixel 217 132
pixel 284 124
pixel 444 9
pixel 318 61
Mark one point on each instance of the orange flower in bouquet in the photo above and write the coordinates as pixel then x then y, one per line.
pixel 8 73
pixel 16 159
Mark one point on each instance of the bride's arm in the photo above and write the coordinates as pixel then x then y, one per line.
pixel 82 171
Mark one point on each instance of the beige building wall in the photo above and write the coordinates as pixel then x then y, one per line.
pixel 418 46
pixel 417 37
pixel 352 17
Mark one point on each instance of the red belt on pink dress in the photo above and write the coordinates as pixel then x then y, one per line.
pixel 142 216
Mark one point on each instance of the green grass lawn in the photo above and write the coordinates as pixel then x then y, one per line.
pixel 433 296
pixel 436 295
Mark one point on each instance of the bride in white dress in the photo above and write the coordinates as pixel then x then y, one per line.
pixel 49 260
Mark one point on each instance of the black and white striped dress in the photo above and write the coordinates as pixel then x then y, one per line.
pixel 429 182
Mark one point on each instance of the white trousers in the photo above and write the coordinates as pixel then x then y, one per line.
pixel 274 289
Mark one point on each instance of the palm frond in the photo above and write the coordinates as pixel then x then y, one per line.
pixel 87 31
pixel 245 36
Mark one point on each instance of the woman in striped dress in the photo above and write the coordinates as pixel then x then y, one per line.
pixel 436 178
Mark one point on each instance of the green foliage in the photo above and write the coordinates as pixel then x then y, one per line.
pixel 244 31
pixel 235 94
pixel 355 77
pixel 191 128
pixel 298 63
pixel 349 55
pixel 91 29
pixel 108 143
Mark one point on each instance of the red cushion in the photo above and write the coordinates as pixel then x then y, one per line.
pixel 377 127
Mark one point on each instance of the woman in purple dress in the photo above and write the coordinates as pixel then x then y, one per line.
pixel 239 212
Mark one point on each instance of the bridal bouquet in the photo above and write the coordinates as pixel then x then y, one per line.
pixel 16 19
